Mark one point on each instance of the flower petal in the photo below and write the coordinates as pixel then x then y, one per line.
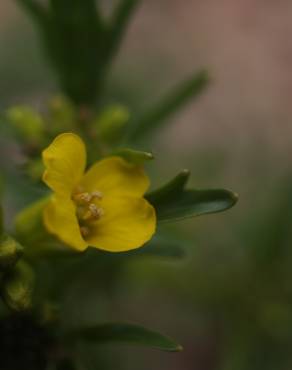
pixel 128 223
pixel 60 219
pixel 65 161
pixel 115 177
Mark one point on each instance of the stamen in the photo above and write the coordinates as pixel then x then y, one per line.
pixel 97 194
pixel 84 231
pixel 82 198
pixel 93 212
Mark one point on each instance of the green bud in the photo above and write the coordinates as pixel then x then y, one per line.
pixel 110 123
pixel 28 123
pixel 29 224
pixel 10 252
pixel 18 287
pixel 32 233
pixel 62 115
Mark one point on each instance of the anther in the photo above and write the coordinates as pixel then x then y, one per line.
pixel 82 198
pixel 84 231
pixel 93 213
pixel 97 194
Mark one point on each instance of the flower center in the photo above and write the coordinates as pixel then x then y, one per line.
pixel 88 210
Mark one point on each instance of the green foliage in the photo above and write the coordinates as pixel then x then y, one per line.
pixel 39 275
pixel 174 202
pixel 125 333
pixel 80 43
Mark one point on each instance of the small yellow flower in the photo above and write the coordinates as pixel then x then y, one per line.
pixel 102 207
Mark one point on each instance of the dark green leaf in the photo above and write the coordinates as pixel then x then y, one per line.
pixel 125 333
pixel 157 115
pixel 173 202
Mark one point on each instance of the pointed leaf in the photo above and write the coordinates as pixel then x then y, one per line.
pixel 126 333
pixel 173 202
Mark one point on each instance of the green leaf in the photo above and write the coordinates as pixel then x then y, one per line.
pixel 125 333
pixel 174 202
pixel 156 116
pixel 120 19
pixel 134 156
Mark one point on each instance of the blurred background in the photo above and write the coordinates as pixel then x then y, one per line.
pixel 229 301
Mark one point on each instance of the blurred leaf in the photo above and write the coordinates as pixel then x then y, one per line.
pixel 134 156
pixel 126 333
pixel 157 115
pixel 173 202
pixel 34 7
pixel 119 22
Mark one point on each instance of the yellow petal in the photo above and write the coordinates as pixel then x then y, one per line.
pixel 128 223
pixel 65 161
pixel 60 219
pixel 115 177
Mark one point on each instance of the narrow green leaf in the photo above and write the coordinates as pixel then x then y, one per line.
pixel 120 19
pixel 125 333
pixel 134 156
pixel 156 116
pixel 173 202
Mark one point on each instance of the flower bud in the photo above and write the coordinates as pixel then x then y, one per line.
pixel 10 251
pixel 110 123
pixel 28 124
pixel 18 286
pixel 29 225
pixel 62 115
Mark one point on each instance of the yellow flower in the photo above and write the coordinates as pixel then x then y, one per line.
pixel 102 207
